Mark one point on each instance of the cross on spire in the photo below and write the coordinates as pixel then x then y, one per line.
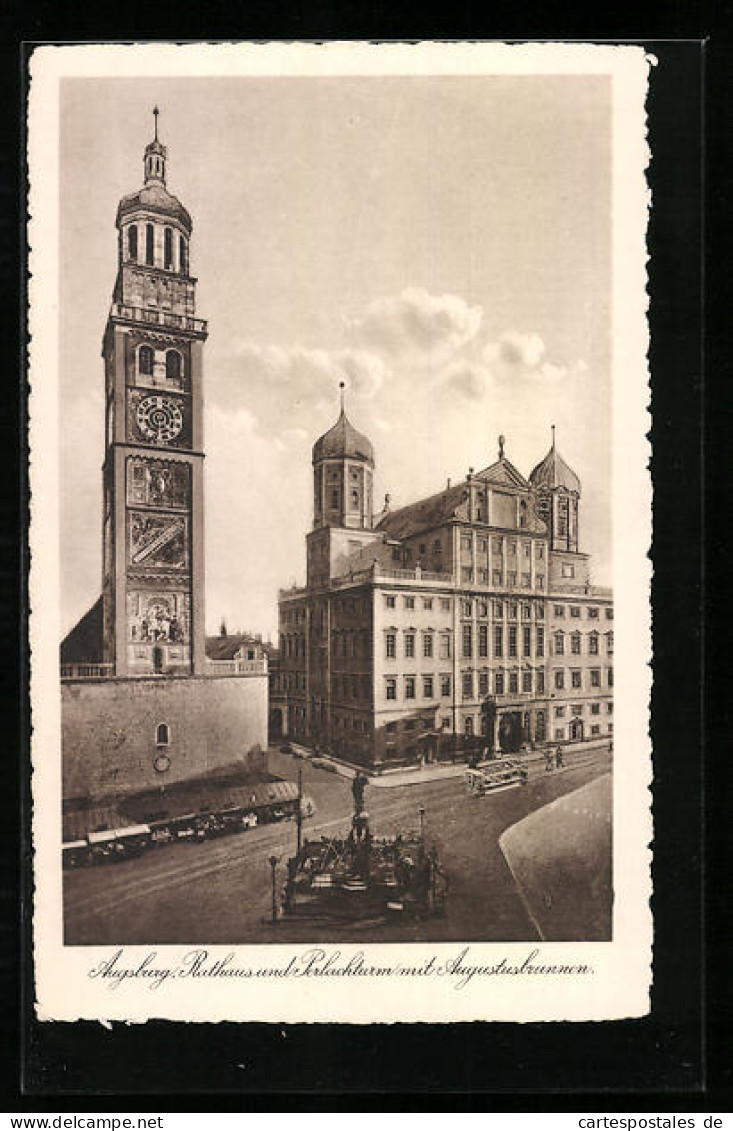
pixel 342 386
pixel 553 435
pixel 156 111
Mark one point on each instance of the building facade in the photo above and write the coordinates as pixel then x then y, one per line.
pixel 463 622
pixel 142 703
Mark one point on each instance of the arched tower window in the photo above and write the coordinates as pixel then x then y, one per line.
pixel 168 249
pixel 132 241
pixel 149 245
pixel 173 364
pixel 162 734
pixel 182 256
pixel 145 360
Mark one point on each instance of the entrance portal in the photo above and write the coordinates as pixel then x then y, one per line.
pixel 158 660
pixel 576 730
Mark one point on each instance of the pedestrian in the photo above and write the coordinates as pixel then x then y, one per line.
pixel 558 758
pixel 548 762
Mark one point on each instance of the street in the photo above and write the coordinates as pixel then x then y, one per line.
pixel 219 891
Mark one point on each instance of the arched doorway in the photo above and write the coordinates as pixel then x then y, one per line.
pixel 576 730
pixel 158 660
pixel 510 732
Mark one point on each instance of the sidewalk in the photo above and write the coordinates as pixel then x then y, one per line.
pixel 418 775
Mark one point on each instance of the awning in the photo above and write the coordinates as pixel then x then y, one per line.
pixel 68 845
pixel 118 834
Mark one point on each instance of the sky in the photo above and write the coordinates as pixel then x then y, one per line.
pixel 441 244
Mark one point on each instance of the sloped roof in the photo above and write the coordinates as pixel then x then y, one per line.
pixel 553 472
pixel 83 644
pixel 343 440
pixel 226 647
pixel 426 514
pixel 503 473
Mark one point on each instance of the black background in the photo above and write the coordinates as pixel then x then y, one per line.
pixel 677 1059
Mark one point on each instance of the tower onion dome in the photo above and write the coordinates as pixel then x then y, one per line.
pixel 343 442
pixel 154 196
pixel 553 472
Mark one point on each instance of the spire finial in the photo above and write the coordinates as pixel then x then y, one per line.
pixel 156 111
pixel 342 386
pixel 553 435
pixel 502 441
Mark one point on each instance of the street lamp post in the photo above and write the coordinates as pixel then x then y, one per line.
pixel 299 815
pixel 421 815
pixel 273 865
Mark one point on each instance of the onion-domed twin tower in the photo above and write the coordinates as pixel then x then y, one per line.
pixel 153 561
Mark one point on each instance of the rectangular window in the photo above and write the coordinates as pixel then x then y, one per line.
pixel 496 577
pixel 511 580
pixel 391 728
pixel 575 678
pixel 540 610
pixel 593 613
pixel 427 602
pixel 409 602
pixel 409 687
pixel 526 612
pixel 559 644
pixel 559 610
pixel 575 644
pixel 483 640
pixel 483 683
pixel 445 604
pixel 540 582
pixel 595 708
pixel 409 645
pixel 540 640
pixel 610 677
pixel 427 644
pixel 595 730
pixel 559 732
pixel 609 614
pixel 526 581
pixel 445 722
pixel 445 645
pixel 527 640
pixel 513 546
pixel 445 685
pixel 513 683
pixel 609 644
pixel 609 708
pixel 595 677
pixel 483 576
pixel 498 544
pixel 512 640
pixel 574 611
pixel 593 645
pixel 466 542
pixel 559 679
pixel 483 609
pixel 467 641
pixel 482 545
pixel 539 551
pixel 466 608
pixel 512 610
pixel 427 687
pixel 498 640
pixel 391 688
pixel 540 681
pixel 390 645
pixel 499 683
pixel 526 681
pixel 527 549
pixel 467 574
pixel 559 712
pixel 390 601
pixel 498 609
pixel 467 685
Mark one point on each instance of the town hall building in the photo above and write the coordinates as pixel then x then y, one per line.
pixel 463 623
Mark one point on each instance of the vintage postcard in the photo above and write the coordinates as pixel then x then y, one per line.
pixel 339 589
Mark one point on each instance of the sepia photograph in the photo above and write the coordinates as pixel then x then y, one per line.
pixel 337 473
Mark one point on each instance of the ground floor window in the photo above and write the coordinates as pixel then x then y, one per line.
pixel 559 732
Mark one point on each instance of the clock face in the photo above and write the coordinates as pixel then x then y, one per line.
pixel 159 419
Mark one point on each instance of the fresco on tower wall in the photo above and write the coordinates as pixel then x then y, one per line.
pixel 158 483
pixel 157 541
pixel 158 618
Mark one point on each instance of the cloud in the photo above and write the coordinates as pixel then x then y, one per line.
pixel 465 378
pixel 416 323
pixel 522 357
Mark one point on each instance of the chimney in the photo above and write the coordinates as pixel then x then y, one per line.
pixel 447 485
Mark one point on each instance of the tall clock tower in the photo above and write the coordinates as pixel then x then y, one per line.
pixel 153 536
